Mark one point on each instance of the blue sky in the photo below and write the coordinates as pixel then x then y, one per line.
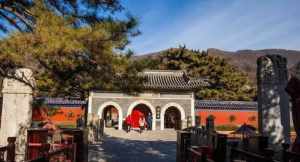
pixel 224 24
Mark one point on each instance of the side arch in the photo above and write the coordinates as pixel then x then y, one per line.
pixel 164 109
pixel 149 105
pixel 117 106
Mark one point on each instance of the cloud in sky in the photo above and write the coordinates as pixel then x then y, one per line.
pixel 224 24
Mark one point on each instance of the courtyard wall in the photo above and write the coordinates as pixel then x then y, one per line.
pixel 155 100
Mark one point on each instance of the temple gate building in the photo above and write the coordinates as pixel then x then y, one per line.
pixel 168 97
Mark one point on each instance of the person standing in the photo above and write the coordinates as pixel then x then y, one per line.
pixel 149 121
pixel 80 121
pixel 142 123
pixel 101 128
pixel 128 123
pixel 94 128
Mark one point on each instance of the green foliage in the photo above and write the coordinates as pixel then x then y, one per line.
pixel 227 82
pixel 17 14
pixel 68 60
pixel 63 125
pixel 52 110
pixel 38 103
pixel 227 127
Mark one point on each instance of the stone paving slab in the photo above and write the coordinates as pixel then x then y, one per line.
pixel 150 146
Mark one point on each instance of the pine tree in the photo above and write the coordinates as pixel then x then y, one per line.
pixel 17 14
pixel 227 82
pixel 68 60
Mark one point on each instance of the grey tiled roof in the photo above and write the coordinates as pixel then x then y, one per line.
pixel 61 101
pixel 225 105
pixel 171 80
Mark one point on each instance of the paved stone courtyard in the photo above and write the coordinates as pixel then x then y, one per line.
pixel 150 146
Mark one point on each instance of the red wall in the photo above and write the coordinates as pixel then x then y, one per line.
pixel 63 116
pixel 223 117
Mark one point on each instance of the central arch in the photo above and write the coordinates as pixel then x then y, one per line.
pixel 163 112
pixel 116 106
pixel 149 105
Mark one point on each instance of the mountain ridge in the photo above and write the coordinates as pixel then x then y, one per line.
pixel 245 60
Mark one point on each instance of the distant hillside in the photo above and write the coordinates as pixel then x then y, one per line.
pixel 245 60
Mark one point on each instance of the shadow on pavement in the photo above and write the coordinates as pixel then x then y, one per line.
pixel 114 149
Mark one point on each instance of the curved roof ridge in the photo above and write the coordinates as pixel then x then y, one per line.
pixel 164 72
pixel 230 105
pixel 61 101
pixel 226 101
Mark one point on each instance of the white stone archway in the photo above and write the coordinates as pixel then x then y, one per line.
pixel 164 109
pixel 117 106
pixel 149 105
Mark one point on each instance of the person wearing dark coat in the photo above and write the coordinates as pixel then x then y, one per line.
pixel 149 121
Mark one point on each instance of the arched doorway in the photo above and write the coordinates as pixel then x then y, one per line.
pixel 144 107
pixel 110 116
pixel 172 115
pixel 172 118
pixel 141 111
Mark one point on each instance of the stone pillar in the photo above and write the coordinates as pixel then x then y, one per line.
pixel 90 124
pixel 273 102
pixel 293 88
pixel 16 111
pixel 91 127
pixel 210 128
pixel 193 114
pixel 285 111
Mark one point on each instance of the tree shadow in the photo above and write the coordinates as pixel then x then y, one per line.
pixel 114 149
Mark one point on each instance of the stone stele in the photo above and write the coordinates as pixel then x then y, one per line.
pixel 273 101
pixel 16 110
pixel 293 88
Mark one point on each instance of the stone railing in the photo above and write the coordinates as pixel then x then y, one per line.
pixel 204 144
pixel 67 145
pixel 201 144
pixel 65 153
